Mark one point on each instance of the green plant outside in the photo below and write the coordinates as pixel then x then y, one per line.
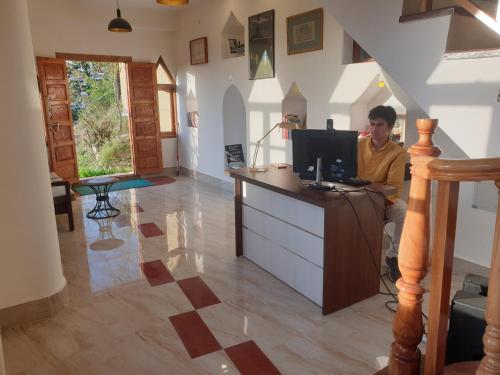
pixel 93 172
pixel 101 130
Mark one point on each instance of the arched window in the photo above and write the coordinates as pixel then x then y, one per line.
pixel 166 100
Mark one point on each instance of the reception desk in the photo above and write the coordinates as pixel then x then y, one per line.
pixel 311 240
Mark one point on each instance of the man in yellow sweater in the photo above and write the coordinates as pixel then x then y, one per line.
pixel 382 160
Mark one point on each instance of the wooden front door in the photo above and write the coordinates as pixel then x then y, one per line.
pixel 56 103
pixel 144 118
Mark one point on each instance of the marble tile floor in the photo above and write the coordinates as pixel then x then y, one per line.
pixel 117 322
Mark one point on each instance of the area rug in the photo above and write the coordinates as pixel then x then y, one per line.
pixel 161 180
pixel 120 185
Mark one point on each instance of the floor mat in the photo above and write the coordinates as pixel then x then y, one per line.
pixel 120 185
pixel 161 180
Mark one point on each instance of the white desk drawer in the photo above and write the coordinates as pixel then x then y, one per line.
pixel 298 241
pixel 309 280
pixel 290 210
pixel 298 273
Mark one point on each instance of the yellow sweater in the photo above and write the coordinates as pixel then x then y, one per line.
pixel 385 166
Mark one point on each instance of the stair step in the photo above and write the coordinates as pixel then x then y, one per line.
pixel 471 54
pixel 434 13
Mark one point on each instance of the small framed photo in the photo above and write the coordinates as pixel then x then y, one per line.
pixel 236 47
pixel 198 51
pixel 192 119
pixel 305 32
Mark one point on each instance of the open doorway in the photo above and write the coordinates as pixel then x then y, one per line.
pixel 99 108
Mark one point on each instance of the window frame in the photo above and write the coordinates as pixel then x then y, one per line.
pixel 171 89
pixel 356 54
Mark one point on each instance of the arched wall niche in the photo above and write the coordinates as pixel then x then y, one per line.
pixel 378 92
pixel 234 121
pixel 294 103
pixel 233 38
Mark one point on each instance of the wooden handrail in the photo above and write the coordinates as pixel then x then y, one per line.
pixel 413 258
pixel 471 8
pixel 480 15
pixel 457 170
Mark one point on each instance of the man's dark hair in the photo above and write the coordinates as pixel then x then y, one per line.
pixel 386 113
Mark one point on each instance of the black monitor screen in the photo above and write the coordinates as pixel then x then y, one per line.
pixel 338 150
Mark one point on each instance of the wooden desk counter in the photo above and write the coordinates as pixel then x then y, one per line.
pixel 311 240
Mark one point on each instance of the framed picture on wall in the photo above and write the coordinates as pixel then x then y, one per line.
pixel 261 45
pixel 236 47
pixel 304 32
pixel 198 51
pixel 193 119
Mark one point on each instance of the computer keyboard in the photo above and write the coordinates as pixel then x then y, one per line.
pixel 349 181
pixel 341 180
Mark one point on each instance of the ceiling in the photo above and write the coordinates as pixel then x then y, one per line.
pixel 141 4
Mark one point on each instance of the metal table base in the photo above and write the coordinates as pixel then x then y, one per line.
pixel 102 209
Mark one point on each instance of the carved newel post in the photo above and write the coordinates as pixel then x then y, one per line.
pixel 412 259
pixel 490 364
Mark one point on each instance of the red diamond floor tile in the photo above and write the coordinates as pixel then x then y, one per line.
pixel 150 230
pixel 194 334
pixel 197 292
pixel 156 273
pixel 250 360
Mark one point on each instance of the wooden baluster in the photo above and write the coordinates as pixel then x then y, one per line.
pixel 490 364
pixel 442 266
pixel 426 6
pixel 412 259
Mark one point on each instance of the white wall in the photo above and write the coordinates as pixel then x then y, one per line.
pixel 328 86
pixel 460 93
pixel 75 26
pixel 30 263
pixel 234 120
pixel 169 152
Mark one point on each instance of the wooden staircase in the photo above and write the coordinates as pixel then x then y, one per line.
pixel 464 7
pixel 405 357
pixel 468 17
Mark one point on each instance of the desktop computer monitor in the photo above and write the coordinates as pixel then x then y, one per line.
pixel 338 150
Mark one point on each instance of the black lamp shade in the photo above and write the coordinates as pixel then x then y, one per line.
pixel 119 24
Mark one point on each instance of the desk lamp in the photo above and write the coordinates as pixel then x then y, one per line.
pixel 281 125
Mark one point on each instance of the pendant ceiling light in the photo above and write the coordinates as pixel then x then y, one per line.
pixel 119 24
pixel 173 2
